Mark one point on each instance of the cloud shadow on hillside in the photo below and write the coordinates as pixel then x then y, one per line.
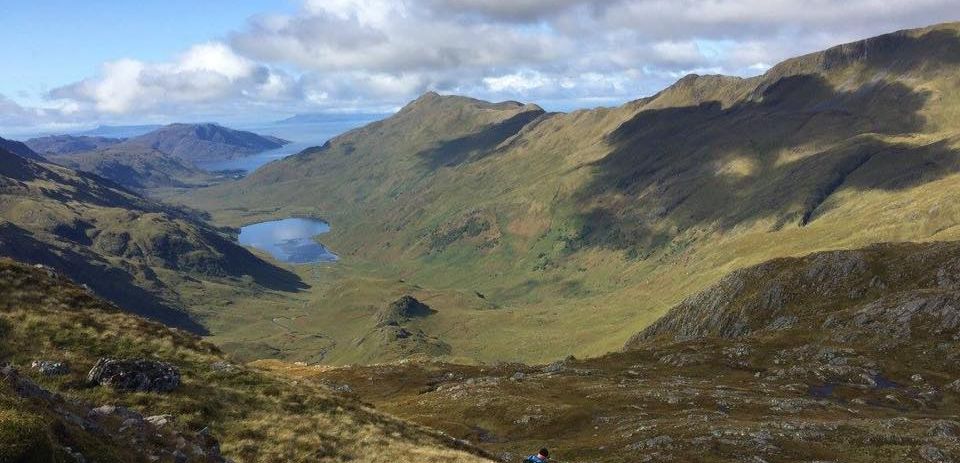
pixel 793 148
pixel 477 145
pixel 109 282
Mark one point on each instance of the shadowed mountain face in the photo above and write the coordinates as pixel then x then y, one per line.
pixel 20 149
pixel 707 166
pixel 630 209
pixel 135 252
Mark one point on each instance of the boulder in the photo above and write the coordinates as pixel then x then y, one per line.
pixel 135 375
pixel 50 367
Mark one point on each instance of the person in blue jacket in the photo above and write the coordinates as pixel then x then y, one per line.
pixel 542 457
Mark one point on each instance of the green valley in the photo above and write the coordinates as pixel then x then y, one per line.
pixel 521 227
pixel 757 269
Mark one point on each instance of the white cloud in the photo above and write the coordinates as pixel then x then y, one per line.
pixel 335 54
pixel 516 82
pixel 205 73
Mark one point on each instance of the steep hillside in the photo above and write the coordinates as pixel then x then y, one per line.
pixel 19 149
pixel 605 218
pixel 69 144
pixel 58 416
pixel 138 253
pixel 202 142
pixel 836 356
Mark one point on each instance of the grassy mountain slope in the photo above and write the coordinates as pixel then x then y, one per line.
pixel 605 218
pixel 836 356
pixel 255 415
pixel 131 250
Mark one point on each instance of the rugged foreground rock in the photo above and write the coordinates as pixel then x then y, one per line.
pixel 844 356
pixel 136 375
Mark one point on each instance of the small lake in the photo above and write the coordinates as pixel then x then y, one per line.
pixel 289 240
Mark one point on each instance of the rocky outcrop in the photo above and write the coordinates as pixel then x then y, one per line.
pixel 879 294
pixel 395 333
pixel 401 311
pixel 137 375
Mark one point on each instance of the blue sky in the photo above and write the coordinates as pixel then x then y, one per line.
pixel 75 64
pixel 61 41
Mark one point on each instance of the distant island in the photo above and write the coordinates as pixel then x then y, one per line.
pixel 317 118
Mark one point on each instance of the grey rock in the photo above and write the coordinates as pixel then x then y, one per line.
pixel 933 455
pixel 953 386
pixel 159 421
pixel 135 375
pixel 223 367
pixel 944 428
pixel 50 367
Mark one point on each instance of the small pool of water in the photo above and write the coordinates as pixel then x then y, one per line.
pixel 289 240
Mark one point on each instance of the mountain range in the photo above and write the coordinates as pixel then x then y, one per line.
pixel 605 218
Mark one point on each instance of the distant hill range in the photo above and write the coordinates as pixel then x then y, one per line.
pixel 164 157
pixel 320 118
pixel 70 144
pixel 204 142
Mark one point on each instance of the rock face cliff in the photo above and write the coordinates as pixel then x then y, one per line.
pixel 882 296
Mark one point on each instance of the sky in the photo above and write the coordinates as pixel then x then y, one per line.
pixel 70 65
